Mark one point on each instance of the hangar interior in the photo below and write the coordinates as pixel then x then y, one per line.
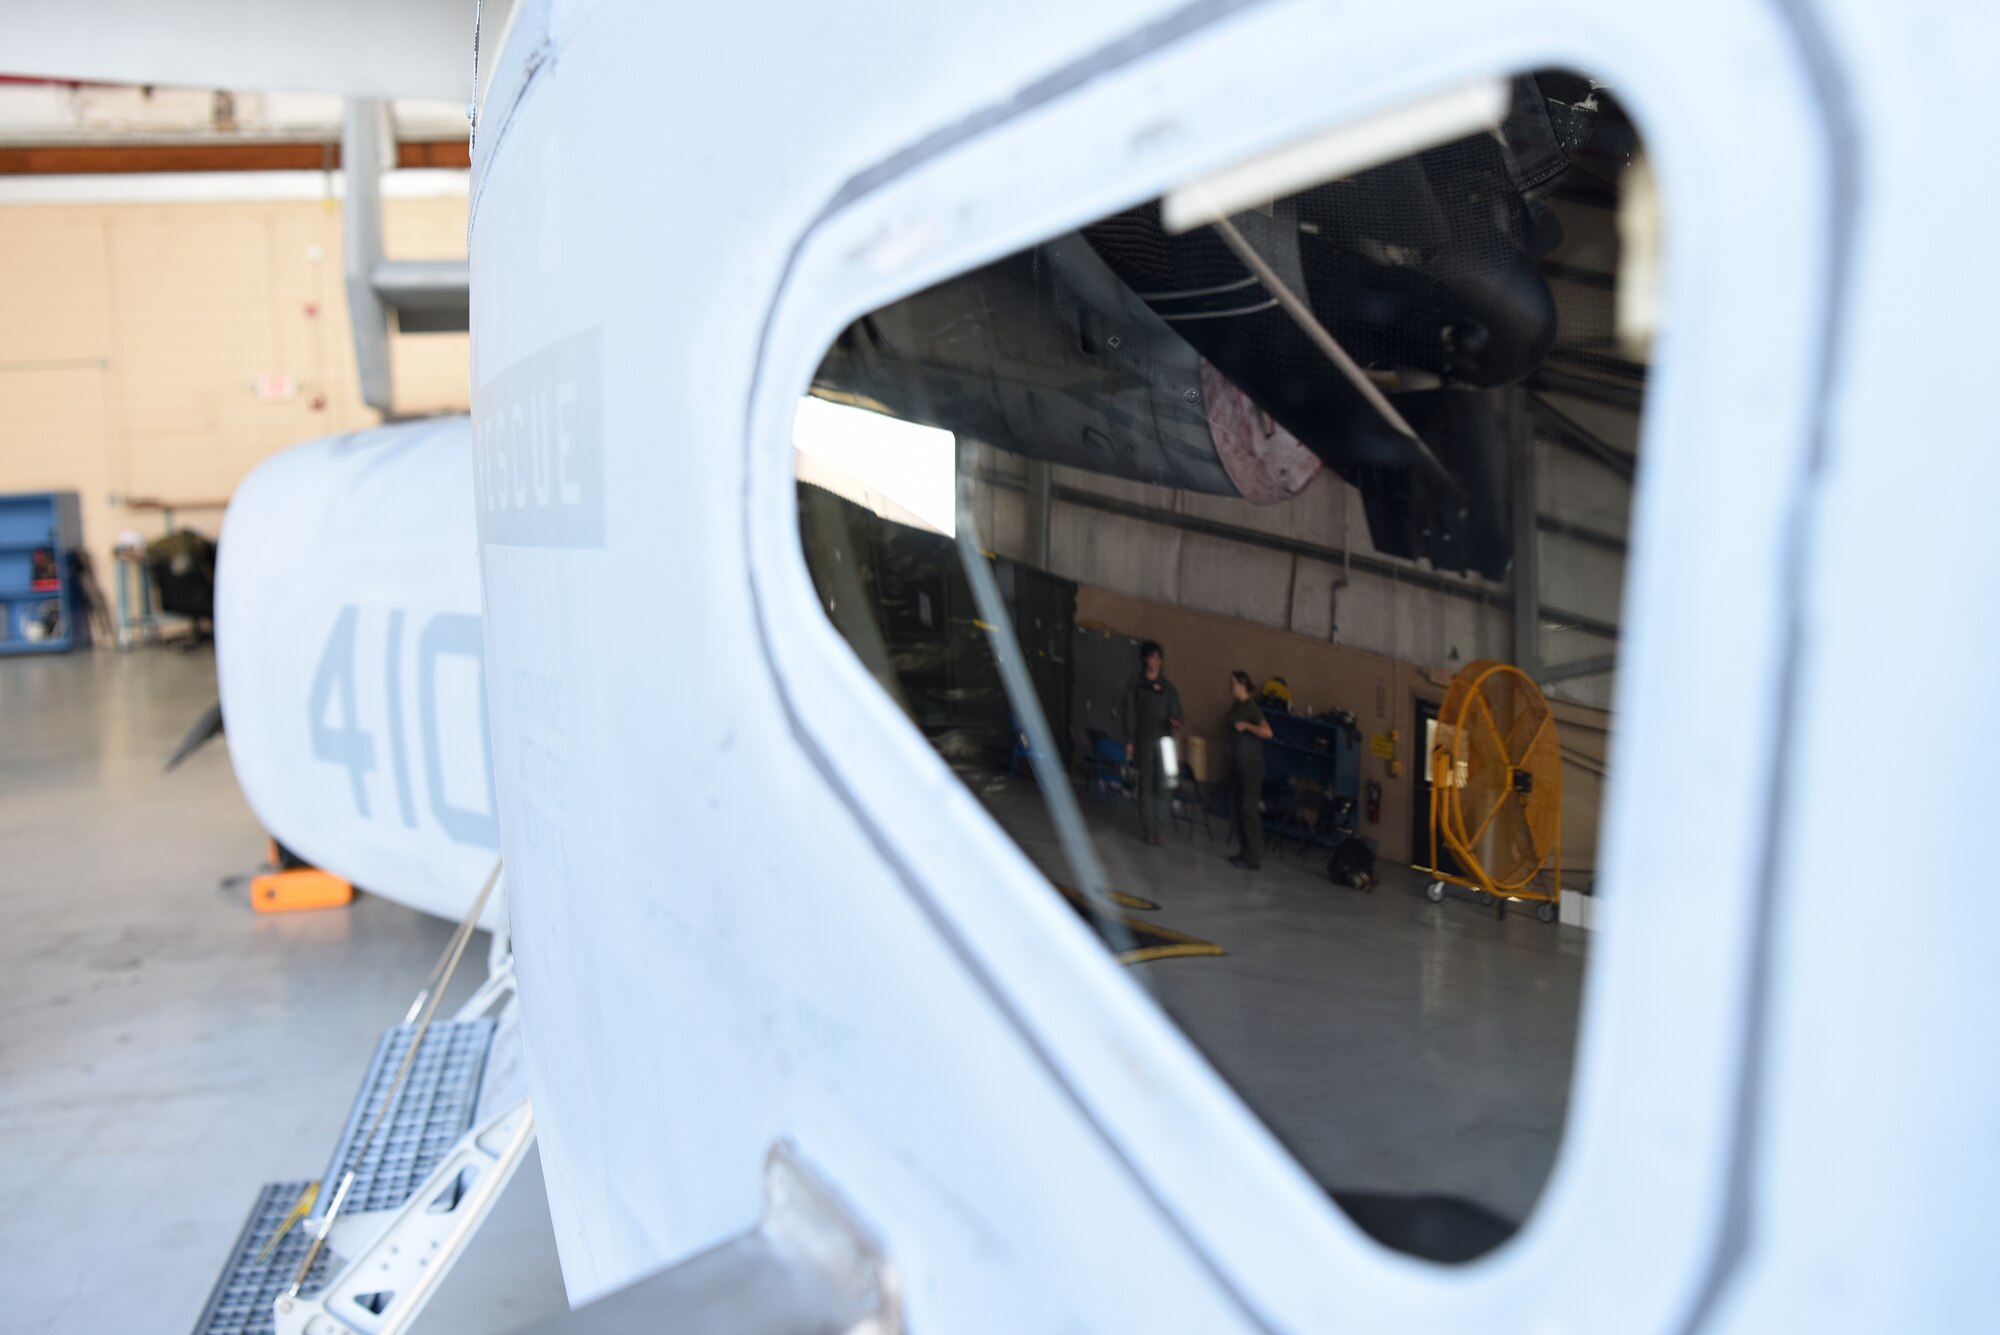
pixel 1146 429
pixel 172 271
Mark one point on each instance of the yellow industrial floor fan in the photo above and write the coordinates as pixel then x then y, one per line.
pixel 1496 791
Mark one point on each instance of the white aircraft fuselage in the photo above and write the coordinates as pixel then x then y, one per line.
pixel 349 655
pixel 751 906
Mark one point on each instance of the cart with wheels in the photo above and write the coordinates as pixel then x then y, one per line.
pixel 1496 792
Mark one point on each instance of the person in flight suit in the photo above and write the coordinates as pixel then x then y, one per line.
pixel 1248 731
pixel 1150 710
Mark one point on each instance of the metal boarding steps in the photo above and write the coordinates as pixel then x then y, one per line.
pixel 252 1280
pixel 441 1122
pixel 433 1108
pixel 456 1128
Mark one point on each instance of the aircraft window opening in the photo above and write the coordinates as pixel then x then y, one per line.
pixel 1351 441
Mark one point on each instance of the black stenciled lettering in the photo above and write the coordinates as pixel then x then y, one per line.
pixel 565 405
pixel 519 473
pixel 543 448
pixel 500 460
pixel 539 466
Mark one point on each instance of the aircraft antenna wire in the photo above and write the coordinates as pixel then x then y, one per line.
pixel 472 107
pixel 1072 835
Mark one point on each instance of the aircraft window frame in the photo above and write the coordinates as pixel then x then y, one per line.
pixel 1654 1100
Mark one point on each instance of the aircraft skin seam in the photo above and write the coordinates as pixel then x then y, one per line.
pixel 1141 42
pixel 485 150
pixel 1830 89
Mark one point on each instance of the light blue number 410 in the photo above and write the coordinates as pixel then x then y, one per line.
pixel 346 744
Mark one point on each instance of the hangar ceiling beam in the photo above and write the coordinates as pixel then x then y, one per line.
pixel 123 158
pixel 1589 537
pixel 1574 436
pixel 1582 667
pixel 1626 394
pixel 1411 575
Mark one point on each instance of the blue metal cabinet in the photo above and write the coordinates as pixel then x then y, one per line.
pixel 1312 777
pixel 40 533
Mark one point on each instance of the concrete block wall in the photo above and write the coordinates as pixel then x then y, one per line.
pixel 135 333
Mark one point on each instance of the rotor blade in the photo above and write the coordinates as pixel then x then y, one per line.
pixel 207 726
pixel 361 48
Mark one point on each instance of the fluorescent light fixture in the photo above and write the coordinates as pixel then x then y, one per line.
pixel 1353 147
pixel 900 470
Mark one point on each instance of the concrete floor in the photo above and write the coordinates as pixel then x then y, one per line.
pixel 164 1051
pixel 1392 1044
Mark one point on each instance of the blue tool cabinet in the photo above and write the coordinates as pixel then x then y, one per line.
pixel 1312 778
pixel 39 607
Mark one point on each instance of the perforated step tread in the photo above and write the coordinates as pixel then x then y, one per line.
pixel 433 1108
pixel 240 1303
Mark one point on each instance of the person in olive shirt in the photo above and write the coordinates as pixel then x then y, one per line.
pixel 1149 710
pixel 1248 731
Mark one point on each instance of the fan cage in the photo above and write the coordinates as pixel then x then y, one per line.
pixel 1496 786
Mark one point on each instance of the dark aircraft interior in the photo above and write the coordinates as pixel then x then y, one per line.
pixel 1120 348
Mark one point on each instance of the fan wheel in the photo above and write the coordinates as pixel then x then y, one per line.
pixel 1498 769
